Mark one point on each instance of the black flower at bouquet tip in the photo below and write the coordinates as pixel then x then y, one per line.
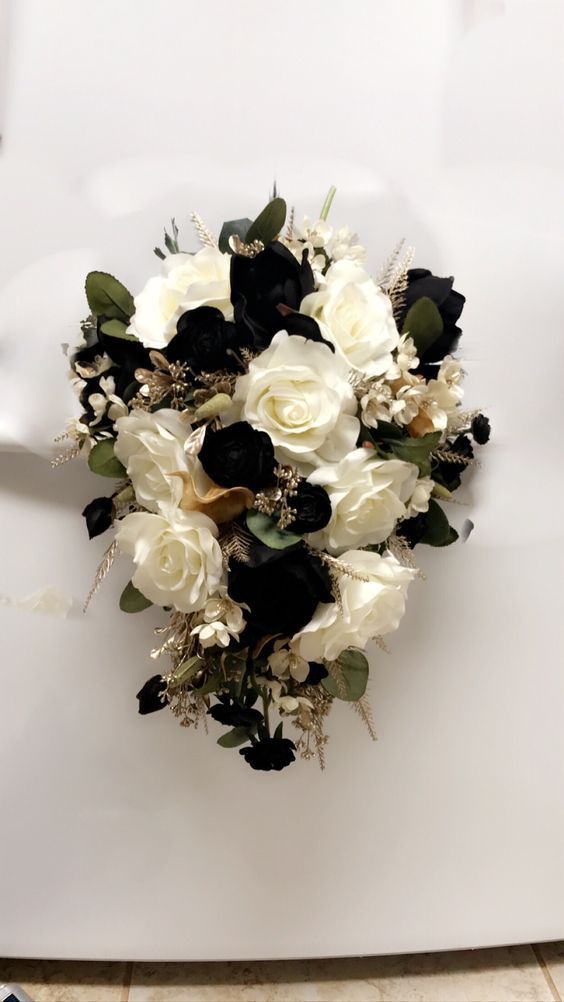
pixel 481 429
pixel 269 754
pixel 99 516
pixel 150 695
pixel 232 714
pixel 238 456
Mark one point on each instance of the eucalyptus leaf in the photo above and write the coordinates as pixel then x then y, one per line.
pixel 132 600
pixel 212 684
pixel 186 671
pixel 268 223
pixel 265 528
pixel 233 738
pixel 386 431
pixel 438 531
pixel 108 297
pixel 231 228
pixel 348 677
pixel 102 460
pixel 117 328
pixel 423 323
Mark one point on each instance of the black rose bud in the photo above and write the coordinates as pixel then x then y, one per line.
pixel 269 754
pixel 151 697
pixel 259 284
pixel 480 429
pixel 421 282
pixel 238 456
pixel 203 341
pixel 231 714
pixel 316 673
pixel 283 592
pixel 312 506
pixel 449 472
pixel 99 516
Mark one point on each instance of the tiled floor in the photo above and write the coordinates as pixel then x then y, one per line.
pixel 510 974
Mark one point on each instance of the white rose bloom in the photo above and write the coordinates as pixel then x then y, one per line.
pixel 356 316
pixel 298 392
pixel 368 496
pixel 369 608
pixel 187 281
pixel 151 447
pixel 419 500
pixel 178 559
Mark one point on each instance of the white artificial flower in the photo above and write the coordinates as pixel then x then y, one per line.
pixel 87 370
pixel 356 316
pixel 298 391
pixel 220 621
pixel 285 664
pixel 368 495
pixel 105 400
pixel 187 281
pixel 405 358
pixel 345 247
pixel 178 559
pixel 443 395
pixel 419 500
pixel 368 609
pixel 151 447
pixel 280 699
pixel 376 404
pixel 323 243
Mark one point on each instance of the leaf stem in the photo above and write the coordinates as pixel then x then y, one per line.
pixel 265 704
pixel 328 202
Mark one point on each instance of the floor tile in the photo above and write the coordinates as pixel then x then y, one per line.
pixel 504 975
pixel 551 956
pixel 69 981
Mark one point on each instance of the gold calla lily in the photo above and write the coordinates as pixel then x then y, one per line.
pixel 221 504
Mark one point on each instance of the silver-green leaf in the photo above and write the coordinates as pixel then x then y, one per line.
pixel 102 460
pixel 265 528
pixel 348 676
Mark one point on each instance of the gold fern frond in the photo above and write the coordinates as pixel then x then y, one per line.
pixel 454 457
pixel 205 235
pixel 104 567
pixel 64 457
pixel 364 710
pixel 235 543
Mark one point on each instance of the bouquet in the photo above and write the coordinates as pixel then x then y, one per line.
pixel 282 430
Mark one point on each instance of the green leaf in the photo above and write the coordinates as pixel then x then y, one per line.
pixel 268 223
pixel 107 296
pixel 212 684
pixel 132 600
pixel 278 731
pixel 438 531
pixel 117 328
pixel 265 528
pixel 231 228
pixel 350 676
pixel 423 323
pixel 186 671
pixel 417 450
pixel 386 432
pixel 102 460
pixel 233 738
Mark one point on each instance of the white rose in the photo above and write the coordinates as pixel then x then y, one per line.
pixel 419 500
pixel 178 559
pixel 299 393
pixel 151 447
pixel 368 496
pixel 356 316
pixel 188 281
pixel 368 608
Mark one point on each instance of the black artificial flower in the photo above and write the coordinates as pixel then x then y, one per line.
pixel 480 429
pixel 150 696
pixel 204 340
pixel 238 456
pixel 125 353
pixel 312 506
pixel 260 284
pixel 281 587
pixel 413 529
pixel 99 516
pixel 448 472
pixel 316 673
pixel 421 282
pixel 269 754
pixel 232 714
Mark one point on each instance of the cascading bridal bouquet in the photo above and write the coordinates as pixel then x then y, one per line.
pixel 282 429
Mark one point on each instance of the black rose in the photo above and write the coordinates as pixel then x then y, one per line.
pixel 312 506
pixel 232 714
pixel 99 516
pixel 259 284
pixel 151 696
pixel 421 282
pixel 238 456
pixel 413 529
pixel 124 352
pixel 449 472
pixel 480 429
pixel 282 592
pixel 204 341
pixel 269 754
pixel 316 673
